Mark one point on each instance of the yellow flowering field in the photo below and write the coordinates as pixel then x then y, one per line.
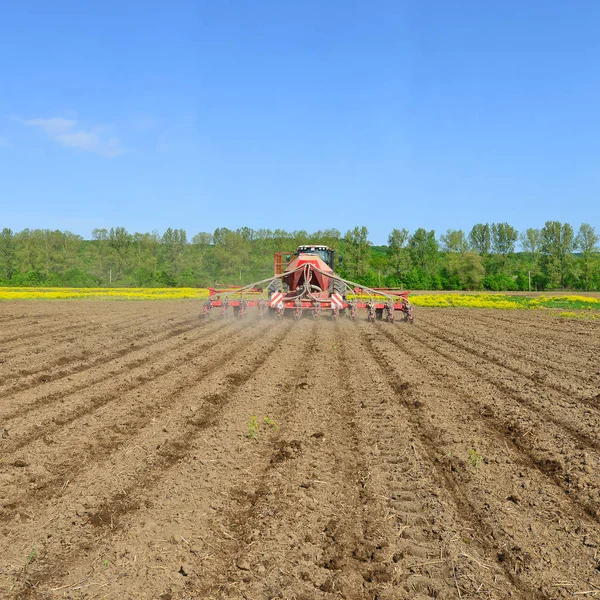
pixel 466 300
pixel 58 293
pixel 506 302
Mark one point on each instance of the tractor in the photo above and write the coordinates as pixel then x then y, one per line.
pixel 305 281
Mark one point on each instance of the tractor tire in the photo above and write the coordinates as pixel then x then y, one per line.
pixel 278 285
pixel 338 287
pixel 275 286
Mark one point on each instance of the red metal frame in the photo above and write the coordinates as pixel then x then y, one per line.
pixel 281 261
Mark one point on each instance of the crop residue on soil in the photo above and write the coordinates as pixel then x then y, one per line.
pixel 145 454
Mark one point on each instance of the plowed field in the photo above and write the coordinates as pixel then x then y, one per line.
pixel 455 458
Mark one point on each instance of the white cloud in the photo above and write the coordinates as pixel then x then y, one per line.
pixel 70 134
pixel 54 126
pixel 4 143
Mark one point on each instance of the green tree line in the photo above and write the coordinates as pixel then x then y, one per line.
pixel 491 256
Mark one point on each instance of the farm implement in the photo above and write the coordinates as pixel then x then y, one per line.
pixel 305 282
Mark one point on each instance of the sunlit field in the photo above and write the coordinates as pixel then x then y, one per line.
pixel 574 306
pixel 58 293
pixel 507 302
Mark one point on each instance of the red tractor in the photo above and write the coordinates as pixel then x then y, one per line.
pixel 305 281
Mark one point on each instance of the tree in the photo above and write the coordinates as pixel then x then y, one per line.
pixel 504 237
pixel 246 233
pixel 454 240
pixel 558 243
pixel 398 254
pixel 531 242
pixel 203 239
pixel 100 237
pixel 54 257
pixel 328 237
pixel 174 243
pixel 356 260
pixel 29 251
pixel 145 247
pixel 586 242
pixel 231 257
pixel 468 267
pixel 65 248
pixel 454 243
pixel 7 254
pixel 480 239
pixel 423 248
pixel 120 244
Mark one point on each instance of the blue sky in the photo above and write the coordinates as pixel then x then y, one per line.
pixel 299 115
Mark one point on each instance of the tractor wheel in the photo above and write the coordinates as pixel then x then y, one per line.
pixel 275 286
pixel 337 287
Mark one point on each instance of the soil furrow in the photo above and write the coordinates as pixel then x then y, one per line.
pixel 43 373
pixel 92 403
pixel 519 549
pixel 571 476
pixel 411 555
pixel 545 408
pixel 51 480
pixel 111 515
pixel 97 336
pixel 523 351
pixel 247 504
pixel 105 377
pixel 506 360
pixel 561 332
pixel 514 429
pixel 463 506
pixel 62 329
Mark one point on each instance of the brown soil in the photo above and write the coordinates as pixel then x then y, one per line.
pixel 455 458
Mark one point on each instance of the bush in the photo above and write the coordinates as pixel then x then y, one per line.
pixel 143 277
pixel 499 282
pixel 79 278
pixel 31 278
pixel 163 279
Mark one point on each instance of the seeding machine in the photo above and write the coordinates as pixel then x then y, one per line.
pixel 305 281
